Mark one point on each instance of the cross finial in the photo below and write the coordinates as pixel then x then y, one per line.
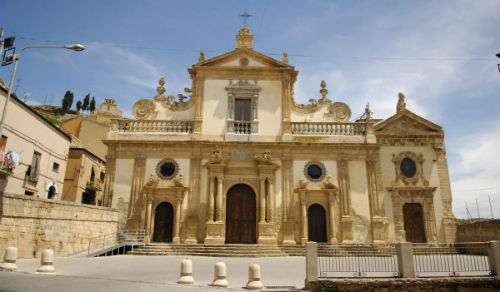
pixel 245 17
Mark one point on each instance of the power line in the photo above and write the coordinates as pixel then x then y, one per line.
pixel 345 57
pixel 481 189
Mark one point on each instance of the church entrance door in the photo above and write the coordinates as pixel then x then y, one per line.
pixel 164 221
pixel 240 215
pixel 316 223
pixel 413 218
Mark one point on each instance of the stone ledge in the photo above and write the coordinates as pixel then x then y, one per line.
pixel 465 284
pixel 57 202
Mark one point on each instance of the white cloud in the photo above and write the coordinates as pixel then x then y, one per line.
pixel 476 174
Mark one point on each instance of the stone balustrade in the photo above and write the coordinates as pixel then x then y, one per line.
pixel 153 126
pixel 242 127
pixel 328 129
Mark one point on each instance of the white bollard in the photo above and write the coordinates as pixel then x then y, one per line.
pixel 186 272
pixel 9 259
pixel 220 275
pixel 254 282
pixel 47 262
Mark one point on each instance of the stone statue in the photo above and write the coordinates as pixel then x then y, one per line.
pixel 368 113
pixel 179 180
pixel 328 183
pixel 267 155
pixel 216 156
pixel 265 158
pixel 201 59
pixel 303 184
pixel 285 58
pixel 401 102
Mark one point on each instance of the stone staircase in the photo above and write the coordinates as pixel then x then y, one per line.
pixel 250 250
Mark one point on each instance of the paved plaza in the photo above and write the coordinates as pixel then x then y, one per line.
pixel 150 273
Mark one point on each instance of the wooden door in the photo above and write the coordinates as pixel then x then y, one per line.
pixel 240 215
pixel 164 221
pixel 413 218
pixel 316 223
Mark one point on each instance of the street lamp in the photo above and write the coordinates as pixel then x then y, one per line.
pixel 74 47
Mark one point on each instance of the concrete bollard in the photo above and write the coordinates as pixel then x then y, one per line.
pixel 47 262
pixel 186 272
pixel 9 259
pixel 220 275
pixel 254 282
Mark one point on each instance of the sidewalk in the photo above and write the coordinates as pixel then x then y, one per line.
pixel 150 273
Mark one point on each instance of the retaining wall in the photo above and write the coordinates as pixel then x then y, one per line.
pixel 32 224
pixel 478 230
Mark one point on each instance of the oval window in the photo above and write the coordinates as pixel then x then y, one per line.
pixel 167 169
pixel 408 167
pixel 314 171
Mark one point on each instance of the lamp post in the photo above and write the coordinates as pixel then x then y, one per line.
pixel 74 47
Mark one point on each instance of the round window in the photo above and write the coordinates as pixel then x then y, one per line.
pixel 167 169
pixel 408 167
pixel 314 171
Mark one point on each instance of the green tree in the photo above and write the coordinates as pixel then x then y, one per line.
pixel 92 104
pixel 79 105
pixel 86 101
pixel 67 101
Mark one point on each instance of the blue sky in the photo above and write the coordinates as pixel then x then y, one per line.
pixel 441 54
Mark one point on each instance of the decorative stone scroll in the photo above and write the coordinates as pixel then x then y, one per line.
pixel 339 111
pixel 143 109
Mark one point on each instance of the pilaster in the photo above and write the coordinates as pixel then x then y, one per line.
pixel 345 201
pixel 135 203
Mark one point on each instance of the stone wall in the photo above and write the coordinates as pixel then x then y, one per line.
pixel 464 284
pixel 478 230
pixel 32 224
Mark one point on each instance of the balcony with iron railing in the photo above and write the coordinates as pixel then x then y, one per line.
pixel 95 185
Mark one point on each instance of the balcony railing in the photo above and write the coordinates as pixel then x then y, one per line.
pixel 155 126
pixel 328 129
pixel 242 127
pixel 95 185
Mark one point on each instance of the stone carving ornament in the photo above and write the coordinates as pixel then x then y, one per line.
pixel 408 167
pixel 143 109
pixel 339 111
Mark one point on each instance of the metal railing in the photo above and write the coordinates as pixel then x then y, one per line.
pixel 454 259
pixel 110 241
pixel 357 261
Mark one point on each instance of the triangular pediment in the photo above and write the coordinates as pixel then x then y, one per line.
pixel 243 58
pixel 406 122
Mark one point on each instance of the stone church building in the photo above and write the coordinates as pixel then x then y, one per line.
pixel 236 160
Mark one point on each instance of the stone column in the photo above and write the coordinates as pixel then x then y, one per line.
pixel 211 196
pixel 378 220
pixel 109 180
pixel 198 94
pixel 345 200
pixel 218 202
pixel 177 219
pixel 270 199
pixel 331 206
pixel 149 208
pixel 262 197
pixel 288 225
pixel 449 220
pixel 303 214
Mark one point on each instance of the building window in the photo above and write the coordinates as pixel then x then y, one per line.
pixel 408 167
pixel 34 168
pixel 167 169
pixel 51 193
pixel 242 115
pixel 28 193
pixel 315 171
pixel 55 167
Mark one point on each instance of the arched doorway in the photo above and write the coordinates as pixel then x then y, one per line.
pixel 316 223
pixel 164 222
pixel 51 193
pixel 413 218
pixel 240 215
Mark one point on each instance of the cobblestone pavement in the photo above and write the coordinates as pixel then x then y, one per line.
pixel 150 273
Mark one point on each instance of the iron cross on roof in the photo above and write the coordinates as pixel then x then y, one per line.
pixel 245 17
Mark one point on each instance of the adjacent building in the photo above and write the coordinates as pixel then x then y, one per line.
pixel 34 151
pixel 235 159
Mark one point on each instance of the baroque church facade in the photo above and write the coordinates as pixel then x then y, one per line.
pixel 237 160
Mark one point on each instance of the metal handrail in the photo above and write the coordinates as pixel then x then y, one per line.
pixel 126 236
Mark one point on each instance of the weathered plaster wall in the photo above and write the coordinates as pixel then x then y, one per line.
pixel 359 201
pixel 32 224
pixel 121 188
